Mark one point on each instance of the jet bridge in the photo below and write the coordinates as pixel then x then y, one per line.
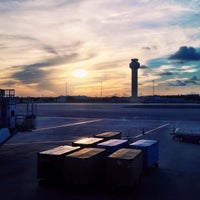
pixel 7 113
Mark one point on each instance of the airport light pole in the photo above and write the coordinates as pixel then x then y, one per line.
pixel 66 89
pixel 101 89
pixel 153 88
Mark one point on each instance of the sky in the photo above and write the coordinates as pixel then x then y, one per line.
pixel 44 43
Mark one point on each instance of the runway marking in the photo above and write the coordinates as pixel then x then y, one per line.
pixel 176 130
pixel 159 127
pixel 138 135
pixel 65 125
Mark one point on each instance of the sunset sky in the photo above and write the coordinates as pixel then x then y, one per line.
pixel 44 43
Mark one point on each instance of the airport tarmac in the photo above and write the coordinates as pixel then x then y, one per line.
pixel 178 173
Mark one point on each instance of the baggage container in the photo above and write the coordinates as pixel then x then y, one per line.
pixel 50 163
pixel 124 169
pixel 113 145
pixel 150 150
pixel 84 168
pixel 87 142
pixel 109 135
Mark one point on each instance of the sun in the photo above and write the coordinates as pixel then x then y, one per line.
pixel 80 73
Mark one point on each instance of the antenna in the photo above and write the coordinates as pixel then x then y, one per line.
pixel 66 89
pixel 101 89
pixel 153 88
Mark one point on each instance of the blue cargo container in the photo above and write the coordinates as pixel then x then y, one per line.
pixel 113 145
pixel 150 149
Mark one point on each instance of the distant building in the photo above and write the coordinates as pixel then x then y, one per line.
pixel 62 99
pixel 162 99
pixel 80 97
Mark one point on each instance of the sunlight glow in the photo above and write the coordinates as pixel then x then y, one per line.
pixel 79 73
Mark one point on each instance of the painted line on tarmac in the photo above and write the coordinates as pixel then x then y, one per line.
pixel 138 135
pixel 147 132
pixel 72 124
pixel 157 128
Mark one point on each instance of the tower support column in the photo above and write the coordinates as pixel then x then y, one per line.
pixel 134 65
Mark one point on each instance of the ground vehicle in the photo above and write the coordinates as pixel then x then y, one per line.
pixel 186 136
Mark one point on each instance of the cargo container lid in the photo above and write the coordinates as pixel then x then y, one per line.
pixel 61 150
pixel 112 142
pixel 107 134
pixel 126 154
pixel 88 140
pixel 86 153
pixel 144 143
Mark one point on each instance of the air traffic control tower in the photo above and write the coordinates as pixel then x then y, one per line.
pixel 134 65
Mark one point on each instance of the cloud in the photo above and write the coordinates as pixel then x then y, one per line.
pixel 29 74
pixel 107 65
pixel 9 83
pixel 177 83
pixel 40 73
pixel 35 74
pixel 186 54
pixel 161 63
pixel 190 81
pixel 194 80
pixel 9 40
pixel 149 48
pixel 166 74
pixel 188 69
pixel 163 70
pixel 143 67
pixel 25 4
pixel 146 48
pixel 39 38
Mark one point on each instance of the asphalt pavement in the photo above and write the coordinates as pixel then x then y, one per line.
pixel 177 175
